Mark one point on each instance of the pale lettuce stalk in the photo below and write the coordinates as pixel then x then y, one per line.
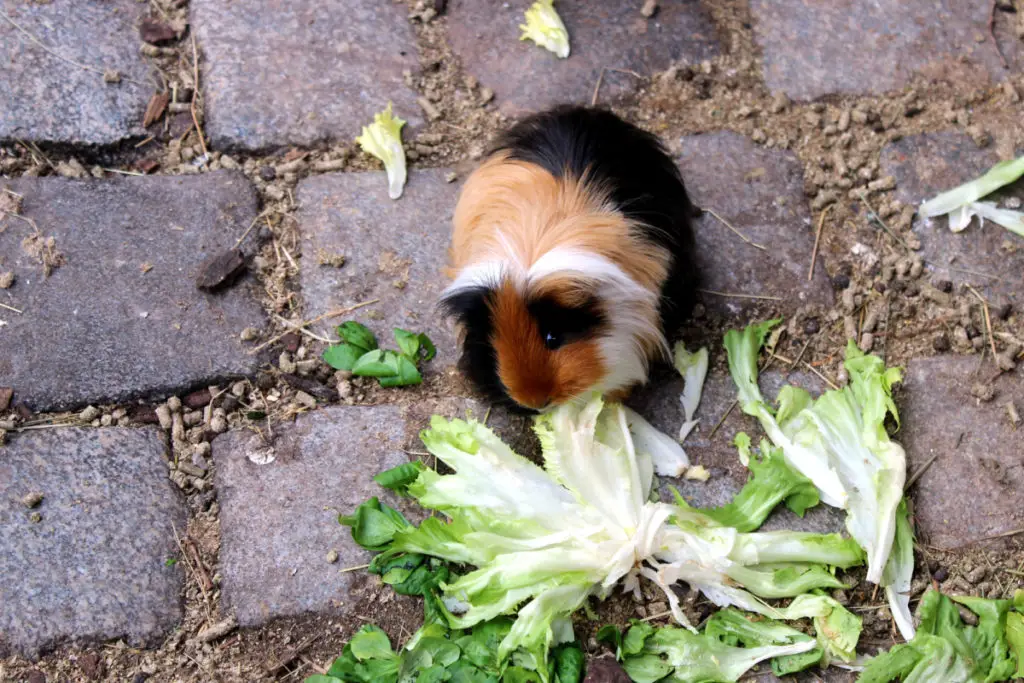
pixel 383 139
pixel 961 204
pixel 694 369
pixel 838 441
pixel 544 540
pixel 544 27
pixel 899 572
pixel 668 457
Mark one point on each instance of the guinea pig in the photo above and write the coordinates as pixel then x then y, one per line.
pixel 570 260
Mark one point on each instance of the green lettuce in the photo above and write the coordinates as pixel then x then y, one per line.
pixel 944 649
pixel 383 139
pixel 543 540
pixel 839 441
pixel 961 204
pixel 544 27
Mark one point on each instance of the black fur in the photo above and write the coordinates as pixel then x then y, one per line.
pixel 643 182
pixel 639 174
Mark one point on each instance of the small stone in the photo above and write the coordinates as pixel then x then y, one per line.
pixel 220 270
pixel 344 389
pixel 982 391
pixel 940 574
pixel 332 556
pixel 192 418
pixel 89 414
pixel 649 9
pixel 916 268
pixel 238 389
pixel 163 416
pixel 979 135
pixel 174 403
pixel 107 420
pixel 867 342
pixel 249 334
pixel 811 326
pixel 840 281
pixel 6 279
pixel 305 400
pixel 31 500
pixel 285 363
pixel 941 343
pixel 486 95
pixel 218 424
pixel 844 121
pixel 779 103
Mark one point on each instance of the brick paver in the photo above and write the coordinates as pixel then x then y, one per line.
pixel 123 317
pixel 93 565
pixel 301 72
pixel 394 252
pixel 926 165
pixel 612 34
pixel 814 48
pixel 279 520
pixel 972 490
pixel 760 193
pixel 45 98
pixel 659 404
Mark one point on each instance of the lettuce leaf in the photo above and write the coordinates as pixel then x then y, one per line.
pixel 383 139
pixel 544 27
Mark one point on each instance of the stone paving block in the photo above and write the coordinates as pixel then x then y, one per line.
pixel 928 164
pixel 102 327
pixel 302 72
pixel 814 48
pixel 279 520
pixel 94 567
pixel 659 404
pixel 395 251
pixel 760 193
pixel 973 489
pixel 48 100
pixel 610 33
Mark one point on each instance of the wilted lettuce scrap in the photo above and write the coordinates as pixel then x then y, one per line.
pixel 946 650
pixel 383 139
pixel 839 443
pixel 961 204
pixel 544 27
pixel 544 540
pixel 694 369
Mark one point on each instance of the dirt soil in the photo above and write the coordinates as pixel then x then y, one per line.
pixel 727 93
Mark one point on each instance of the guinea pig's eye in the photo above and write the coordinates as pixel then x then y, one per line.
pixel 553 340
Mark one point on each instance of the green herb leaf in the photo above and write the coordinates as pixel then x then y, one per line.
pixel 374 524
pixel 357 335
pixel 405 371
pixel 408 343
pixel 375 364
pixel 399 478
pixel 567 663
pixel 342 356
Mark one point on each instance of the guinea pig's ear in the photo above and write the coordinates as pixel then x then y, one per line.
pixel 469 305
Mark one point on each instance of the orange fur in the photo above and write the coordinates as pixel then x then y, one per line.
pixel 534 375
pixel 518 207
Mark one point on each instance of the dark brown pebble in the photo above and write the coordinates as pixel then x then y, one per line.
pixel 229 403
pixel 880 287
pixel 156 32
pixel 198 399
pixel 291 342
pixel 941 343
pixel 605 670
pixel 811 326
pixel 143 415
pixel 944 286
pixel 267 173
pixel 92 666
pixel 6 393
pixel 841 281
pixel 220 269
pixel 265 380
pixel 310 386
pixel 941 574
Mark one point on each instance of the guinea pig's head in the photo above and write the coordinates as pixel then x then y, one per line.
pixel 535 342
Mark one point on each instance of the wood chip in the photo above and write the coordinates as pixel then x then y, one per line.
pixel 155 109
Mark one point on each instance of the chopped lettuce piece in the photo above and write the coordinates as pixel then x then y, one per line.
pixel 668 457
pixel 838 441
pixel 771 482
pixel 544 27
pixel 961 204
pixel 383 139
pixel 732 627
pixel 944 649
pixel 676 655
pixel 694 369
pixel 544 540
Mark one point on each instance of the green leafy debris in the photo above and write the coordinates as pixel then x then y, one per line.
pixel 544 27
pixel 383 139
pixel 359 353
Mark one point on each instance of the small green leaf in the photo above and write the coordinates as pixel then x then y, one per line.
pixel 399 478
pixel 342 356
pixel 374 524
pixel 320 678
pixel 357 335
pixel 170 561
pixel 408 343
pixel 636 636
pixel 568 663
pixel 406 372
pixel 611 635
pixel 373 364
pixel 371 645
pixel 427 346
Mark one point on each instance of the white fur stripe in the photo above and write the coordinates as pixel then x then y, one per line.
pixel 487 274
pixel 590 265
